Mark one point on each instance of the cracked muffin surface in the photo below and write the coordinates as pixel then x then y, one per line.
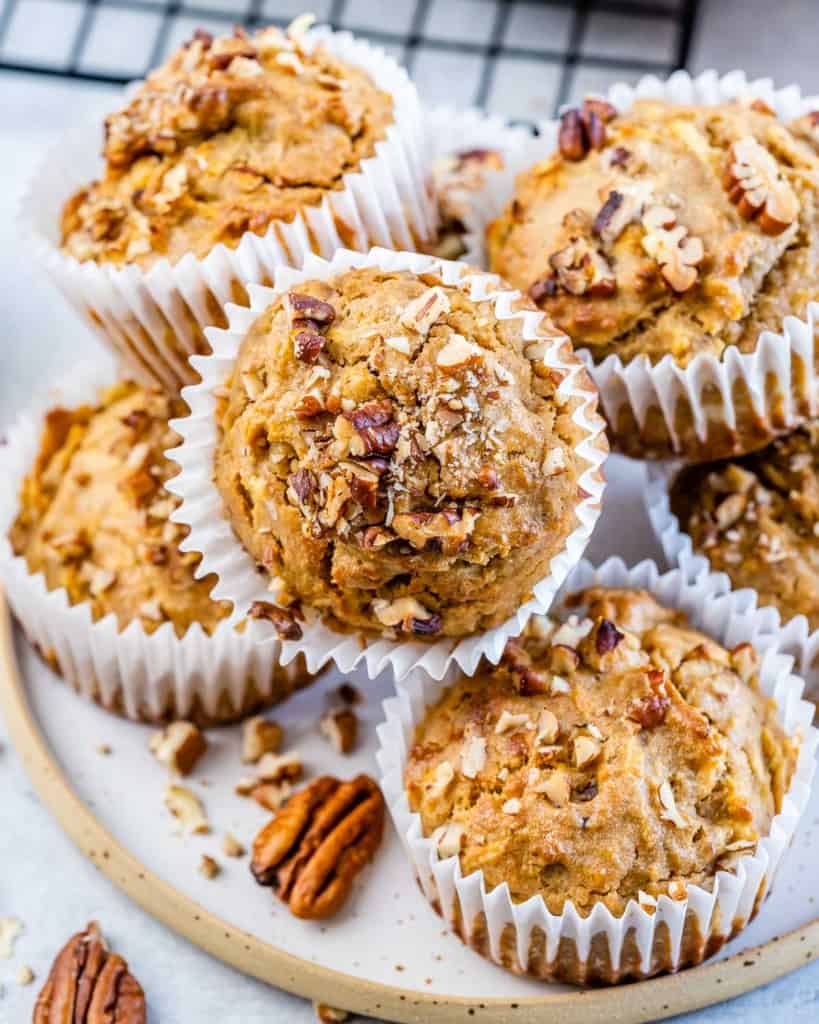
pixel 620 755
pixel 94 513
pixel 399 457
pixel 757 519
pixel 666 230
pixel 229 135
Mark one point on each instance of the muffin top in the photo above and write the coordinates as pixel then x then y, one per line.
pixel 617 756
pixel 806 127
pixel 397 455
pixel 227 136
pixel 667 230
pixel 94 513
pixel 757 519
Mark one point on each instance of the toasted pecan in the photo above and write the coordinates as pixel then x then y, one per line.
pixel 311 852
pixel 89 985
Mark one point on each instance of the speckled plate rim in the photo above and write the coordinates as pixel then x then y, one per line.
pixel 627 1004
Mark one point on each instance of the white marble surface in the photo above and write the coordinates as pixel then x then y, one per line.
pixel 43 879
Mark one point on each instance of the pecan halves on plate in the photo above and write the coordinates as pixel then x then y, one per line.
pixel 311 852
pixel 89 985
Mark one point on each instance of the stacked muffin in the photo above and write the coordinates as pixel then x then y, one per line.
pixel 393 458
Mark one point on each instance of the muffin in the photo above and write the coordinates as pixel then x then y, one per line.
pixel 677 233
pixel 93 525
pixel 399 457
pixel 757 519
pixel 254 149
pixel 456 178
pixel 612 764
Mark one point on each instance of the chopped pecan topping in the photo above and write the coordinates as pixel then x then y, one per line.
pixel 619 210
pixel 584 129
pixel 608 636
pixel 375 537
pixel 533 682
pixel 309 407
pixel 308 346
pixel 449 529
pixel 488 478
pixel 303 483
pixel 757 188
pixel 669 243
pixel 649 712
pixel 457 354
pixel 88 984
pixel 544 288
pixel 376 429
pixel 311 852
pixel 582 270
pixel 283 621
pixel 307 307
pixel 421 313
pixel 409 614
pixel 136 420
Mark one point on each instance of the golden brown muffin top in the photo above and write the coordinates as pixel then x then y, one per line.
pixel 397 454
pixel 667 230
pixel 94 513
pixel 757 519
pixel 617 754
pixel 806 127
pixel 227 136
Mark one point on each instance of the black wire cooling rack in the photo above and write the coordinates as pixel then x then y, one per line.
pixel 480 52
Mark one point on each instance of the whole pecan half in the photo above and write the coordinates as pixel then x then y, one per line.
pixel 89 985
pixel 311 852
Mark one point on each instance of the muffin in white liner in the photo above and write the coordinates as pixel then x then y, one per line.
pixel 154 319
pixel 793 636
pixel 150 676
pixel 526 937
pixel 465 147
pixel 712 407
pixel 240 582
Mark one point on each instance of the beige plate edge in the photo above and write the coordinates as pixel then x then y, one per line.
pixel 626 1004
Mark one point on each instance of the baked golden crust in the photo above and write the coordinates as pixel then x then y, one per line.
pixel 94 513
pixel 757 519
pixel 620 754
pixel 391 452
pixel 229 135
pixel 685 230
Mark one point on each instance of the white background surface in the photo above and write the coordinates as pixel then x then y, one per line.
pixel 43 879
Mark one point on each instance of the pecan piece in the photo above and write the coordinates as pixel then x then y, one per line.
pixel 310 308
pixel 307 345
pixel 311 852
pixel 89 985
pixel 582 270
pixel 608 636
pixel 669 243
pixel 283 622
pixel 584 129
pixel 756 187
pixel 377 430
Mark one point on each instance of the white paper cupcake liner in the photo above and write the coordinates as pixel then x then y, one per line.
pixel 238 579
pixel 151 677
pixel 154 319
pixel 526 937
pixel 715 406
pixel 794 637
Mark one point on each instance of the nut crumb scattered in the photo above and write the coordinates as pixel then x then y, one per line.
pixel 231 847
pixel 25 975
pixel 260 736
pixel 208 866
pixel 179 747
pixel 187 807
pixel 329 1014
pixel 340 727
pixel 10 929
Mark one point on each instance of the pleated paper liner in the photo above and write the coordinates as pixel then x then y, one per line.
pixel 154 319
pixel 155 676
pixel 238 579
pixel 600 947
pixel 715 406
